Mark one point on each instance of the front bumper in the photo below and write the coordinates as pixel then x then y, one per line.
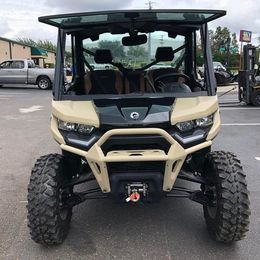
pixel 173 159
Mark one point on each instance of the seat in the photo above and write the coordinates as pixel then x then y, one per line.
pixel 106 81
pixel 103 82
pixel 134 82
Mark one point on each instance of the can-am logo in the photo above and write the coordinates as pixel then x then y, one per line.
pixel 135 115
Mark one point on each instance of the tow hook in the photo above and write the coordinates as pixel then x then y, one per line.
pixel 134 197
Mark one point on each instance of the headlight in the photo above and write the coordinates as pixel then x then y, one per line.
pixel 205 121
pixel 201 122
pixel 73 127
pixel 186 126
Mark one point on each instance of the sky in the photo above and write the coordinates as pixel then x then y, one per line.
pixel 19 19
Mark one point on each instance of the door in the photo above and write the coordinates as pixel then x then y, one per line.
pixel 5 71
pixel 18 72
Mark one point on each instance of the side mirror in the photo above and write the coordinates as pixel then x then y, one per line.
pixel 134 40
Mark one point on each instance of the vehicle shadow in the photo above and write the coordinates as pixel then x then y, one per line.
pixel 157 229
pixel 20 87
pixel 171 229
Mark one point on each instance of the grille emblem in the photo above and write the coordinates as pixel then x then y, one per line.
pixel 135 115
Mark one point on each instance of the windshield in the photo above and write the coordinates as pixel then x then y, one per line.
pixel 161 62
pixel 134 57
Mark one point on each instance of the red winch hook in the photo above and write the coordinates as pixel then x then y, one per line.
pixel 134 197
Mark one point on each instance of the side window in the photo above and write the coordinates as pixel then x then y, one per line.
pixel 17 65
pixel 30 64
pixel 6 65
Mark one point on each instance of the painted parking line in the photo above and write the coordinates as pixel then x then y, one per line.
pixel 30 109
pixel 222 100
pixel 241 124
pixel 13 93
pixel 257 158
pixel 240 108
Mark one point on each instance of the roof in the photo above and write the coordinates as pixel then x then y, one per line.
pixel 23 44
pixel 13 41
pixel 175 16
pixel 35 51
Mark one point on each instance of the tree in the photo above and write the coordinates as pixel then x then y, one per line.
pixel 224 46
pixel 47 45
pixel 137 53
pixel 27 41
pixel 68 57
pixel 116 48
pixel 44 44
pixel 219 38
pixel 234 43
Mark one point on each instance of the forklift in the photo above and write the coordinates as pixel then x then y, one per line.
pixel 248 83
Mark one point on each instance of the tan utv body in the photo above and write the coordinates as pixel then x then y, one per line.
pixel 83 112
pixel 130 130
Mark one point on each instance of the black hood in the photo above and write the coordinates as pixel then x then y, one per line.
pixel 145 112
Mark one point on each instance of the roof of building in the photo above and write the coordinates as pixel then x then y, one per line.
pixel 32 47
pixel 36 51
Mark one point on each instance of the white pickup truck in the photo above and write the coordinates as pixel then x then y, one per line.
pixel 25 72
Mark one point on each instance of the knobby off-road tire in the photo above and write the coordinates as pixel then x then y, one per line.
pixel 229 220
pixel 48 222
pixel 255 98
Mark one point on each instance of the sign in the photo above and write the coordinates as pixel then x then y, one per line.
pixel 245 36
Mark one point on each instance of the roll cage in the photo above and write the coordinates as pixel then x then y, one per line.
pixel 90 25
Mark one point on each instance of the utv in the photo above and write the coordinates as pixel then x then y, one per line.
pixel 133 129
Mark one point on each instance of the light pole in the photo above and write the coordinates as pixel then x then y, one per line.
pixel 150 7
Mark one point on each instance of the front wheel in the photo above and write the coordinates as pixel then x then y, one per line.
pixel 227 219
pixel 44 83
pixel 48 219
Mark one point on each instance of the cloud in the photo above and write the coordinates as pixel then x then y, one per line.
pixel 4 27
pixel 20 18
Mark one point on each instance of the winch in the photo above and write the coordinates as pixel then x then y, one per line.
pixel 135 190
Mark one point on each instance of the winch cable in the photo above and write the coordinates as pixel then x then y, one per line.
pixel 228 91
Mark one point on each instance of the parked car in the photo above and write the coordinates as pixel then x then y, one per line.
pixel 222 75
pixel 96 66
pixel 216 65
pixel 24 71
pixel 160 66
pixel 219 66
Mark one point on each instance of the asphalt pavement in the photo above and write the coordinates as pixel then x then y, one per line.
pixel 171 229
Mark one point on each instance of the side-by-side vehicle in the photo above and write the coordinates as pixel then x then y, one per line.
pixel 136 130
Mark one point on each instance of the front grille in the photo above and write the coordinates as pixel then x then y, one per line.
pixel 135 142
pixel 136 167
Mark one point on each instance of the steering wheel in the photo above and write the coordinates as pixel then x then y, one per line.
pixel 158 82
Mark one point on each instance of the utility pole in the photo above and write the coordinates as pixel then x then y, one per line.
pixel 228 51
pixel 150 7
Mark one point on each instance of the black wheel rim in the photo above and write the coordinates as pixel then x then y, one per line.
pixel 211 192
pixel 63 209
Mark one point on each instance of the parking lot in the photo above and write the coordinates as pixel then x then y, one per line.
pixel 172 229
